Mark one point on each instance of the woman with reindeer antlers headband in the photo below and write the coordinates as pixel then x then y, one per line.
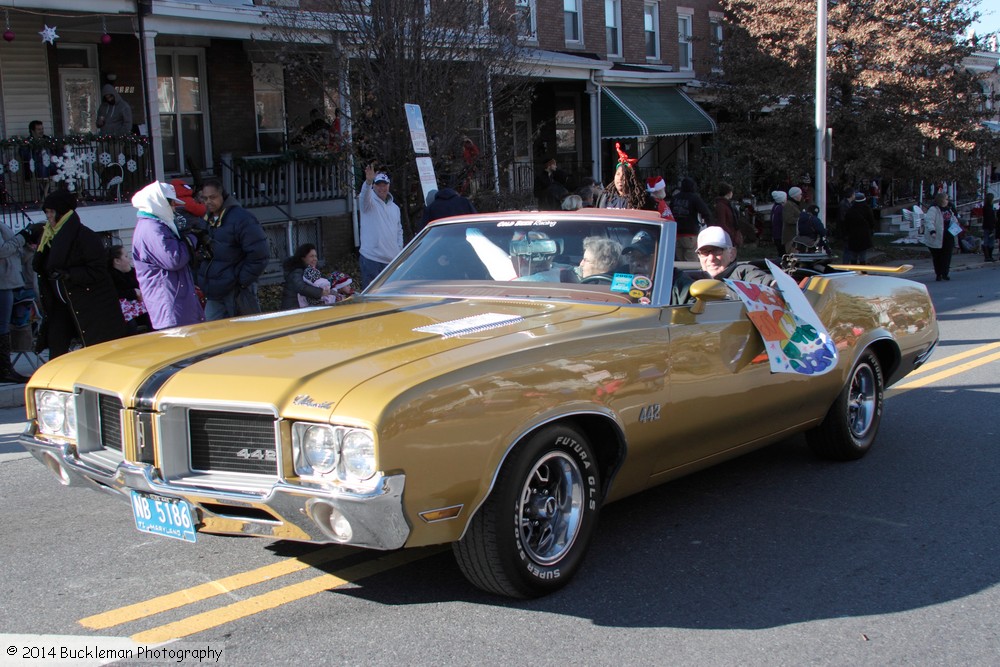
pixel 627 189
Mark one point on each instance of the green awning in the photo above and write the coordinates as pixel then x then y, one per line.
pixel 658 112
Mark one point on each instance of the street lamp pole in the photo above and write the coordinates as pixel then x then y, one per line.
pixel 821 109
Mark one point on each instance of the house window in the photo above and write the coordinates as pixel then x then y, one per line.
pixel 685 54
pixel 651 28
pixel 612 27
pixel 182 107
pixel 526 19
pixel 567 141
pixel 269 103
pixel 571 20
pixel 715 38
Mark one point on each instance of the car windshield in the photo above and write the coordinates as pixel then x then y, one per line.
pixel 580 258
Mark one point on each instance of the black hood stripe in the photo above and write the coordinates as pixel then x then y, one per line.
pixel 145 396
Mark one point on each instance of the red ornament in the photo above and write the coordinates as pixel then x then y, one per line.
pixel 105 39
pixel 8 35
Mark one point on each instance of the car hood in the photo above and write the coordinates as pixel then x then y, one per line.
pixel 303 362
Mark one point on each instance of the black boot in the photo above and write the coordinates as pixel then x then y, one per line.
pixel 7 372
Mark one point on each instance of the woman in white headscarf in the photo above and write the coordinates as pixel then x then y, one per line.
pixel 162 258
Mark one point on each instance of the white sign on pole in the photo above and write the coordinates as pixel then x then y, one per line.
pixel 418 135
pixel 428 182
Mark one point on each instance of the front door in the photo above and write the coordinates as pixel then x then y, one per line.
pixel 80 96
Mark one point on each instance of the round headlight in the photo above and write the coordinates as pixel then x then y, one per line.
pixel 358 452
pixel 51 412
pixel 319 444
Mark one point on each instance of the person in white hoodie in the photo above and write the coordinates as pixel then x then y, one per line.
pixel 162 256
pixel 381 230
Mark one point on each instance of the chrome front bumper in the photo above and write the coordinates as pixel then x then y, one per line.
pixel 300 513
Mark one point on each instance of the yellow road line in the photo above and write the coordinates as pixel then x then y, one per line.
pixel 924 381
pixel 210 589
pixel 938 363
pixel 258 603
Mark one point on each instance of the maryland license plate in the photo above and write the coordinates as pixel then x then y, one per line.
pixel 159 515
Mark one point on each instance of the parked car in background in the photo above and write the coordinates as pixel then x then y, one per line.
pixel 480 393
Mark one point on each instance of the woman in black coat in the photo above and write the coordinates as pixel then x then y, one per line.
pixel 77 294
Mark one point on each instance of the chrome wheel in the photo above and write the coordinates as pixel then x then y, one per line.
pixel 550 508
pixel 862 401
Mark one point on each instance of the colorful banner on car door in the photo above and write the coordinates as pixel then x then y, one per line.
pixel 794 338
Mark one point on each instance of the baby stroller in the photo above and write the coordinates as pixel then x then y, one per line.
pixel 811 238
pixel 25 319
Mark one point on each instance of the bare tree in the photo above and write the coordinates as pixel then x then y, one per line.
pixel 457 59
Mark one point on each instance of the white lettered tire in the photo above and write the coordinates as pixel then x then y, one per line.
pixel 530 536
pixel 849 428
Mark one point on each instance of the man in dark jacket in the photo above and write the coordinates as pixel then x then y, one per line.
pixel 239 255
pixel 445 203
pixel 859 225
pixel 687 205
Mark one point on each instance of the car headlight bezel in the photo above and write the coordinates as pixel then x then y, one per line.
pixel 55 413
pixel 318 451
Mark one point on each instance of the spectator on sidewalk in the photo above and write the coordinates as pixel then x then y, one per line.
pixel 239 255
pixel 446 202
pixel 687 206
pixel 859 226
pixel 989 227
pixel 381 230
pixel 162 254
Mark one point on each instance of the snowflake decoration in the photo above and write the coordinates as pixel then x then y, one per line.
pixel 72 167
pixel 46 159
pixel 13 166
pixel 31 165
pixel 49 34
pixel 90 157
pixel 131 165
pixel 121 158
pixel 140 150
pixel 105 159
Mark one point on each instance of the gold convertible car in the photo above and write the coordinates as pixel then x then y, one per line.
pixel 490 390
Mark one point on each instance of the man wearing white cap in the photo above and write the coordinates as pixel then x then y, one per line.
pixel 718 258
pixel 381 231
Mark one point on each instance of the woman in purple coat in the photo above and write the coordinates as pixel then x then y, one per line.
pixel 162 260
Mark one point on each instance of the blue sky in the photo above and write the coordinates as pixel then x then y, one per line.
pixel 990 19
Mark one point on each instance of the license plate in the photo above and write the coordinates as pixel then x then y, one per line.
pixel 159 515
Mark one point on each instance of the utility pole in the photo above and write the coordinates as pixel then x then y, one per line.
pixel 821 109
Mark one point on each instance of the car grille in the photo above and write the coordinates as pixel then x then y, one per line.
pixel 109 408
pixel 232 442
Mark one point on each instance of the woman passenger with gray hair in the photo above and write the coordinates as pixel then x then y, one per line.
pixel 600 258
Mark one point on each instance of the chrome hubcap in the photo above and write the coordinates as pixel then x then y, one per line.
pixel 861 401
pixel 550 509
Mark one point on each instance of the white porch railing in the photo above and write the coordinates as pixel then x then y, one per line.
pixel 275 180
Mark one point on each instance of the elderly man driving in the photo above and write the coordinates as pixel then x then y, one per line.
pixel 718 259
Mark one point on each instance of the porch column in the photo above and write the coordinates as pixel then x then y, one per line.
pixel 148 45
pixel 594 92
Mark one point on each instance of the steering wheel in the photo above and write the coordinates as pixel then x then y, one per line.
pixel 599 279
